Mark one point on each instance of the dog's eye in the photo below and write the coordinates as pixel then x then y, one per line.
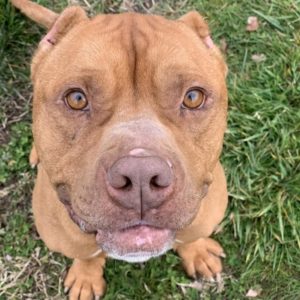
pixel 76 100
pixel 193 99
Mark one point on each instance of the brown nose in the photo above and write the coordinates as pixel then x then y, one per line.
pixel 140 183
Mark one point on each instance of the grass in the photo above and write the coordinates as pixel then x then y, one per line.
pixel 261 231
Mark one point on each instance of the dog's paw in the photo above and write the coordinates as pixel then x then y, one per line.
pixel 84 280
pixel 202 257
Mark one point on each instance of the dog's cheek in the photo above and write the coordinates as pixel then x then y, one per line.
pixel 200 153
pixel 199 158
pixel 37 60
pixel 52 137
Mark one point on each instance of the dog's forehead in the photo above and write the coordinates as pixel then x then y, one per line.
pixel 133 50
pixel 134 27
pixel 132 38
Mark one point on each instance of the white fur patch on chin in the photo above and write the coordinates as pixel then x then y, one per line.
pixel 138 257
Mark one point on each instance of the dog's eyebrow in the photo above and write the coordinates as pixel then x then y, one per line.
pixel 89 71
pixel 86 76
pixel 181 79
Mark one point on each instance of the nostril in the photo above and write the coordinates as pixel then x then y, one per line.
pixel 127 185
pixel 120 182
pixel 154 182
pixel 159 181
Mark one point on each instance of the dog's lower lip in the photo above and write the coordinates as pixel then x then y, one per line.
pixel 137 227
pixel 135 239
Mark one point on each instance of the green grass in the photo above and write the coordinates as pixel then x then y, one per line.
pixel 261 231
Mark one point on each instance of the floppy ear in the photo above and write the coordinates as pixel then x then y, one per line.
pixel 36 12
pixel 197 23
pixel 58 24
pixel 63 23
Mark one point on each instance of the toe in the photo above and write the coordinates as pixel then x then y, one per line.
pixel 203 269
pixel 189 267
pixel 214 264
pixel 86 292
pixel 74 293
pixel 214 247
pixel 99 288
pixel 69 281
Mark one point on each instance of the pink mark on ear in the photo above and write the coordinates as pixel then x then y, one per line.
pixel 209 42
pixel 50 42
pixel 48 38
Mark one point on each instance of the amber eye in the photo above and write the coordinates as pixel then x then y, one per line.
pixel 193 99
pixel 76 100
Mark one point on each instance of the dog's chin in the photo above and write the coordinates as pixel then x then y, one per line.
pixel 136 243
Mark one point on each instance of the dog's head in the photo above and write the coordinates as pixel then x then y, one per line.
pixel 128 119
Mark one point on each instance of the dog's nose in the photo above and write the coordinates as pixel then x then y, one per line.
pixel 140 183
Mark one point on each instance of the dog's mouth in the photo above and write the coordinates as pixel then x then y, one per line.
pixel 136 243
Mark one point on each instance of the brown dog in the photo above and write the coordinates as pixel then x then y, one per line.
pixel 128 120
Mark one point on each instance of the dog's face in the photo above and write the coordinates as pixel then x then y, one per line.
pixel 129 117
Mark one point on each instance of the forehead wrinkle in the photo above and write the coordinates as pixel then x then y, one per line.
pixel 140 44
pixel 106 24
pixel 143 40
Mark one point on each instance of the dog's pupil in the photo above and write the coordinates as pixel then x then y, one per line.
pixel 193 96
pixel 78 97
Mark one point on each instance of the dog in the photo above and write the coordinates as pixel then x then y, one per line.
pixel 129 113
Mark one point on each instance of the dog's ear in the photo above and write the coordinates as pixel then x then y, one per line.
pixel 36 12
pixel 58 26
pixel 62 25
pixel 197 23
